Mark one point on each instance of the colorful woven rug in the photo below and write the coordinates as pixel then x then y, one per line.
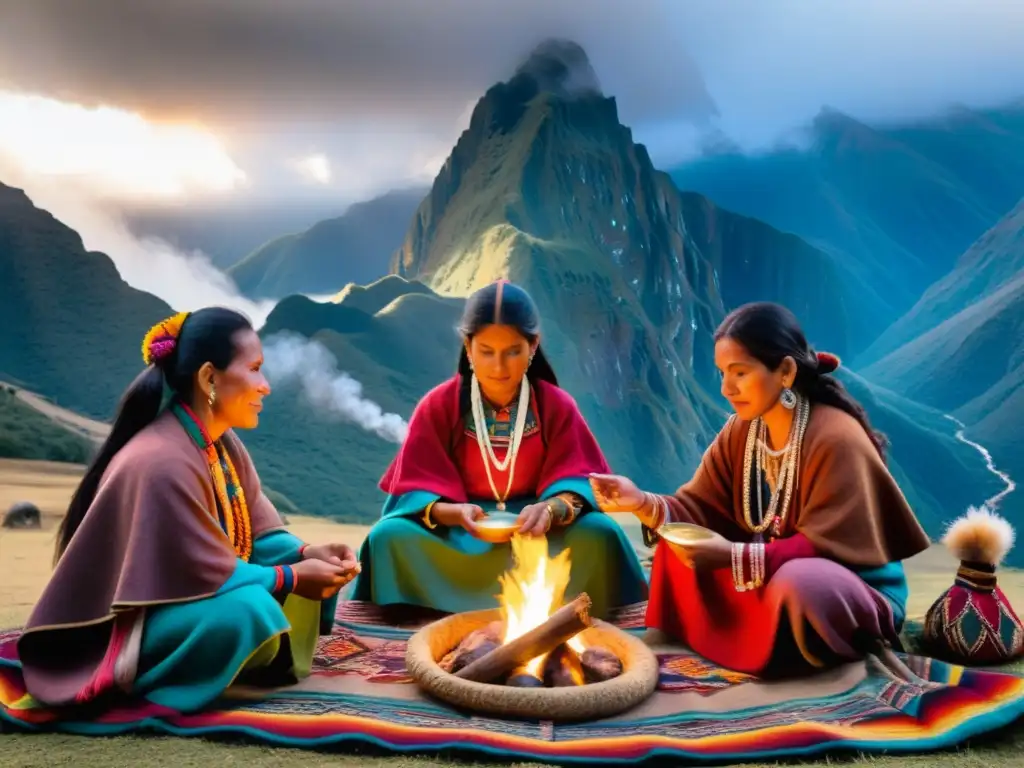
pixel 360 693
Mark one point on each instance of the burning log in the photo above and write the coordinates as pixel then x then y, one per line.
pixel 562 668
pixel 475 645
pixel 566 622
pixel 599 665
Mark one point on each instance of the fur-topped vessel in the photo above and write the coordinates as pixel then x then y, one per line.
pixel 972 622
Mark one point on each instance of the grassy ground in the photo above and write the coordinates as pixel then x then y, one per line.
pixel 25 561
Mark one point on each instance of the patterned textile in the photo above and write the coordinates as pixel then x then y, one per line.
pixel 359 692
pixel 972 622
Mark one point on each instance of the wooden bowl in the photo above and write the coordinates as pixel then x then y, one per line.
pixel 637 682
pixel 497 527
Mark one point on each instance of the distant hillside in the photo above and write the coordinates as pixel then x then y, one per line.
pixel 961 347
pixel 354 247
pixel 894 206
pixel 228 229
pixel 329 466
pixel 374 297
pixel 989 265
pixel 72 326
pixel 27 434
pixel 966 334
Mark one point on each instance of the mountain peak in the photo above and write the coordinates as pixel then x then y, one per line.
pixel 560 67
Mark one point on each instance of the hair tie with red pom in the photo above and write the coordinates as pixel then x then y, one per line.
pixel 162 339
pixel 827 362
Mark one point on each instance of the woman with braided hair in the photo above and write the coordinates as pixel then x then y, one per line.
pixel 803 568
pixel 174 574
pixel 499 436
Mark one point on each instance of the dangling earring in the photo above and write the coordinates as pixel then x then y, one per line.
pixel 788 399
pixel 531 361
pixel 213 395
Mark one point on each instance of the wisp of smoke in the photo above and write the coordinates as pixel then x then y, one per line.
pixel 292 358
pixel 186 281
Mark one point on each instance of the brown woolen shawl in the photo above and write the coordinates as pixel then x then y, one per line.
pixel 151 537
pixel 846 502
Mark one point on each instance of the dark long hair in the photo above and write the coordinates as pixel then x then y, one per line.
pixel 514 308
pixel 207 335
pixel 770 333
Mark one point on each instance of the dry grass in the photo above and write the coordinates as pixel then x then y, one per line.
pixel 25 564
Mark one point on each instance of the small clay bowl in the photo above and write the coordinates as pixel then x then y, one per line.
pixel 680 535
pixel 497 527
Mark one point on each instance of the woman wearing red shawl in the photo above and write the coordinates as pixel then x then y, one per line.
pixel 803 569
pixel 499 435
pixel 174 573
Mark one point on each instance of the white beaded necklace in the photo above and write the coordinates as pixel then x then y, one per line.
pixel 779 504
pixel 483 436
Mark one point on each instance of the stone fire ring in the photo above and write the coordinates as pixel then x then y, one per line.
pixel 637 682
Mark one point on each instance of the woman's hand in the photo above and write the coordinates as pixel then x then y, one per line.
pixel 615 493
pixel 706 554
pixel 336 554
pixel 457 515
pixel 320 580
pixel 535 519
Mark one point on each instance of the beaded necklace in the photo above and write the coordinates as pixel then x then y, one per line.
pixel 233 513
pixel 483 437
pixel 775 516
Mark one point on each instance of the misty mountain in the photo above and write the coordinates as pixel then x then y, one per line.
pixel 961 347
pixel 632 277
pixel 893 205
pixel 352 248
pixel 71 327
pixel 225 230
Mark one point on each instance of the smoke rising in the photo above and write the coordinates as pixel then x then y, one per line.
pixel 290 358
pixel 186 281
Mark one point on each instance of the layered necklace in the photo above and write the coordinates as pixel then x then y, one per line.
pixel 780 468
pixel 234 512
pixel 483 437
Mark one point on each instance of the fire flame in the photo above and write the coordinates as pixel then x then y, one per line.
pixel 532 590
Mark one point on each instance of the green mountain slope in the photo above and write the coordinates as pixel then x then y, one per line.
pixel 961 348
pixel 894 206
pixel 354 247
pixel 27 434
pixel 72 328
pixel 323 462
pixel 992 262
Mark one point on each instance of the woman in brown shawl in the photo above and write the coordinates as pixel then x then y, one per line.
pixel 803 569
pixel 174 574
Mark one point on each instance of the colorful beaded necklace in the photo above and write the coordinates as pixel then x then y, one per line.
pixel 233 513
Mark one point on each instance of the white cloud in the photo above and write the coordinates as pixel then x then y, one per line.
pixel 315 167
pixel 114 153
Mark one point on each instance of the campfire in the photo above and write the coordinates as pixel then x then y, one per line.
pixel 538 641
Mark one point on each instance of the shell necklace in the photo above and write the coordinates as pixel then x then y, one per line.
pixel 778 507
pixel 483 437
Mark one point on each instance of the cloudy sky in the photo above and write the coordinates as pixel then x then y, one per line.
pixel 360 95
pixel 321 102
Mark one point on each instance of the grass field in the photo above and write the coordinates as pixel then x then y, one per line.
pixel 25 558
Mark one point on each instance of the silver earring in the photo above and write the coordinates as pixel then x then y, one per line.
pixel 788 399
